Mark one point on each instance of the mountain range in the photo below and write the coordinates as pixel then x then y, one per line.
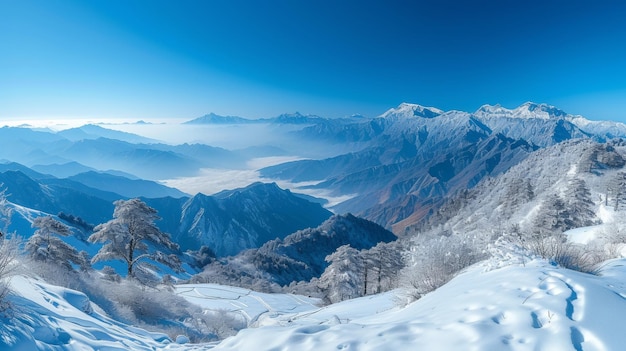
pixel 412 157
pixel 415 197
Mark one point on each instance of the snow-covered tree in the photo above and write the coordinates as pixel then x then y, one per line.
pixel 579 203
pixel 6 212
pixel 553 217
pixel 617 190
pixel 8 253
pixel 519 191
pixel 343 279
pixel 382 264
pixel 46 245
pixel 132 237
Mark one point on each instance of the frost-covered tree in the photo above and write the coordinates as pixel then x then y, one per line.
pixel 132 237
pixel 553 217
pixel 6 212
pixel 617 190
pixel 519 191
pixel 579 203
pixel 8 254
pixel 382 264
pixel 343 279
pixel 47 246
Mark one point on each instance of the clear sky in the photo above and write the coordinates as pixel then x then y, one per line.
pixel 183 59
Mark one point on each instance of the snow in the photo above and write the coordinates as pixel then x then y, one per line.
pixel 584 235
pixel 249 304
pixel 54 318
pixel 514 303
pixel 533 306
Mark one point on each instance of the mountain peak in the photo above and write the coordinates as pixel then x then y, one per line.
pixel 543 110
pixel 527 110
pixel 409 110
pixel 213 118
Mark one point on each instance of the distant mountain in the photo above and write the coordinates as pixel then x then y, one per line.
pixel 92 131
pixel 297 118
pixel 54 196
pixel 212 118
pixel 63 170
pixel 539 124
pixel 286 118
pixel 605 129
pixel 406 110
pixel 412 157
pixel 14 166
pixel 126 187
pixel 87 151
pixel 142 160
pixel 235 220
pixel 528 110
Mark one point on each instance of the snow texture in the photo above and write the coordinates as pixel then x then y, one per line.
pixel 511 302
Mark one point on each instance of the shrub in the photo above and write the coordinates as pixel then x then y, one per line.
pixel 435 263
pixel 8 254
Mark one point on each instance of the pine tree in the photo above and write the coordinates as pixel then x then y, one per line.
pixel 382 264
pixel 579 203
pixel 617 190
pixel 129 235
pixel 343 279
pixel 46 245
pixel 553 218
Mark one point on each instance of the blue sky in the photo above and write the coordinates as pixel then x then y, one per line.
pixel 182 59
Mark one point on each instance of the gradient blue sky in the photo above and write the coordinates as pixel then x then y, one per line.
pixel 182 59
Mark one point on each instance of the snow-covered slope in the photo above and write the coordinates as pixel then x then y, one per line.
pixel 524 306
pixel 47 317
pixel 249 304
pixel 510 302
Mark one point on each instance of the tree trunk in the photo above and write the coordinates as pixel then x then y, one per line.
pixel 130 258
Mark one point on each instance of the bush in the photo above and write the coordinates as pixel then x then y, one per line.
pixel 557 249
pixel 8 254
pixel 566 254
pixel 436 263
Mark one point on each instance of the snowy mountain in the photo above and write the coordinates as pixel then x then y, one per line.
pixel 228 222
pixel 516 197
pixel 539 124
pixel 476 199
pixel 406 110
pixel 528 110
pixel 235 220
pixel 409 163
pixel 412 157
pixel 297 257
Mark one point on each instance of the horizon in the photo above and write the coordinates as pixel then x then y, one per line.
pixel 154 60
pixel 59 124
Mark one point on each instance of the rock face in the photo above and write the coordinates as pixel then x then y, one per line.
pixel 234 220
